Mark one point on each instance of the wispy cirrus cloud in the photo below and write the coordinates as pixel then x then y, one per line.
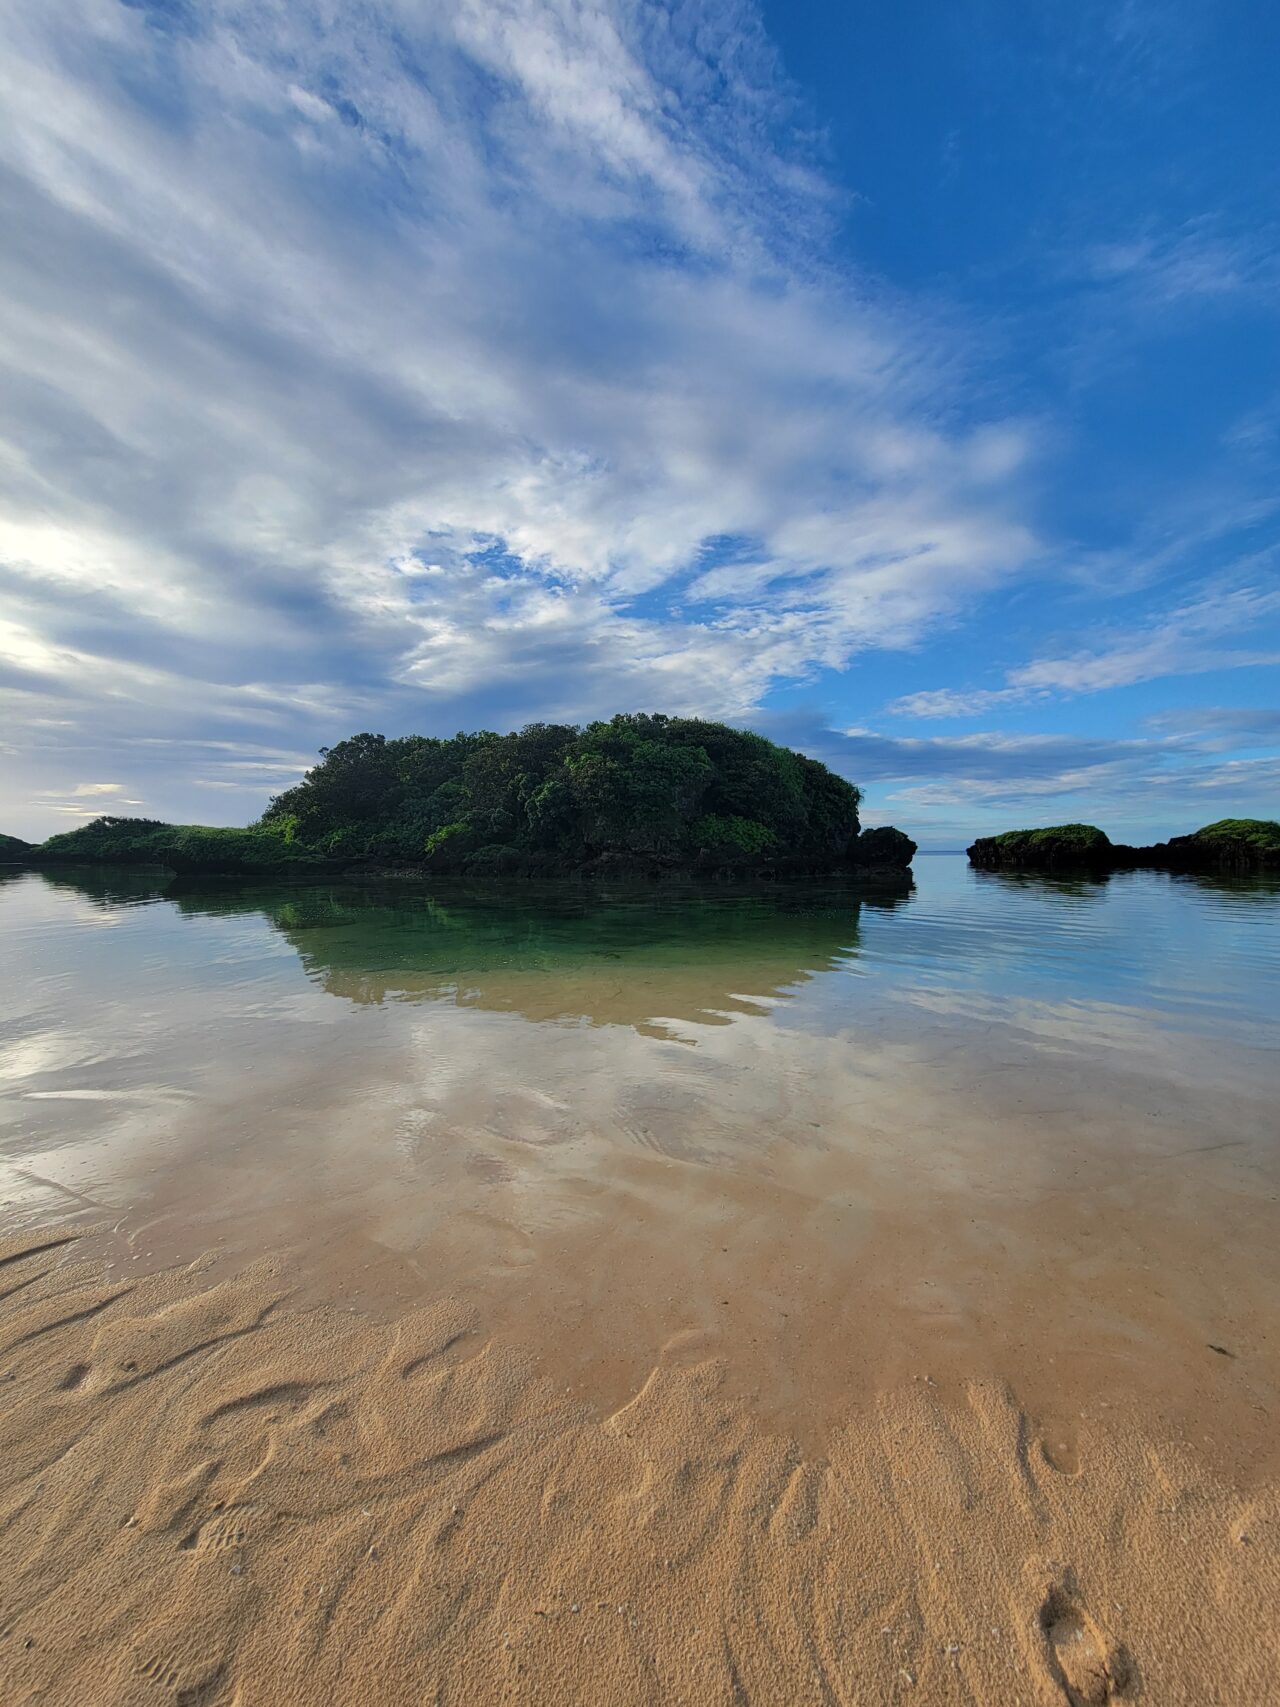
pixel 1198 260
pixel 1210 633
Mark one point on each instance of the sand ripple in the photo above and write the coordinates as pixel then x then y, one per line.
pixel 211 1496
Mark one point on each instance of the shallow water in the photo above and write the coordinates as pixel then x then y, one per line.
pixel 839 1137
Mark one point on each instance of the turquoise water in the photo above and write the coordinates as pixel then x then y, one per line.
pixel 631 1113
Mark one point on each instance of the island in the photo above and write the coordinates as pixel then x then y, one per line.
pixel 1229 846
pixel 638 795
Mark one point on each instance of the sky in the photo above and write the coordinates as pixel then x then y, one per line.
pixel 900 381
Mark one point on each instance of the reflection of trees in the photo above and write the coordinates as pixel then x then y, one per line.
pixel 1065 886
pixel 621 956
pixel 110 886
pixel 1260 886
pixel 1089 885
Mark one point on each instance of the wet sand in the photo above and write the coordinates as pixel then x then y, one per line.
pixel 547 1418
pixel 213 1495
pixel 828 1228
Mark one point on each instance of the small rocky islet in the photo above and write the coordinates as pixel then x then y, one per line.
pixel 1229 847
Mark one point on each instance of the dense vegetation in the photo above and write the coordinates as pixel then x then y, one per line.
pixel 182 847
pixel 638 793
pixel 13 848
pixel 1231 844
pixel 651 792
pixel 1245 836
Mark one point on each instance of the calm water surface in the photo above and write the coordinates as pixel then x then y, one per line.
pixel 1016 1127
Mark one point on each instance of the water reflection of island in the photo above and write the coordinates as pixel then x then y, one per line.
pixel 1091 885
pixel 624 956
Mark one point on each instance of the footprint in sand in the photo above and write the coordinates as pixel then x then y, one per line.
pixel 1060 1453
pixel 1088 1668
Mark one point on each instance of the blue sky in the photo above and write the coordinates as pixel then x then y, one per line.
pixel 901 381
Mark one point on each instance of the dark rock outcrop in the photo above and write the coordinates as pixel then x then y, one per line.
pixel 1058 847
pixel 1232 846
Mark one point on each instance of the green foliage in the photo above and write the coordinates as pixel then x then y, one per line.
pixel 1077 838
pixel 12 849
pixel 1239 845
pixel 643 789
pixel 439 839
pixel 640 791
pixel 1053 848
pixel 181 847
pixel 119 841
pixel 1261 834
pixel 202 848
pixel 732 839
pixel 632 795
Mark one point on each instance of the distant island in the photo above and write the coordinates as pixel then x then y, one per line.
pixel 1239 845
pixel 641 794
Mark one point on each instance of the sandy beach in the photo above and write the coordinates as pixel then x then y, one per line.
pixel 213 1494
pixel 746 1338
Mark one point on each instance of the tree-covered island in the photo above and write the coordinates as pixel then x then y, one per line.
pixel 641 794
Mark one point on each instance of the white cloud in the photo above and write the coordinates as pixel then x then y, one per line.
pixel 1192 261
pixel 1186 641
pixel 302 299
pixel 953 702
pixel 952 787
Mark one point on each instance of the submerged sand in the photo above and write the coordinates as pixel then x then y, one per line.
pixel 213 1492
